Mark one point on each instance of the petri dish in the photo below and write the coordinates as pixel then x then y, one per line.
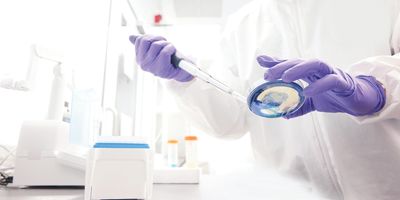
pixel 276 98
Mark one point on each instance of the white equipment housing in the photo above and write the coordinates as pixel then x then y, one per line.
pixel 36 161
pixel 119 171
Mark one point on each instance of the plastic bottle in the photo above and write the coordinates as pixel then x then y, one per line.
pixel 191 151
pixel 172 153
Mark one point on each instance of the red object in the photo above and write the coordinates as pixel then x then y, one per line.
pixel 157 19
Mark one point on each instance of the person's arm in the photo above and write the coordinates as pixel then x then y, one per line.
pixel 235 65
pixel 210 110
pixel 206 107
pixel 329 88
pixel 386 70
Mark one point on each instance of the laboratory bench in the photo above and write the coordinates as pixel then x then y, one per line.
pixel 234 185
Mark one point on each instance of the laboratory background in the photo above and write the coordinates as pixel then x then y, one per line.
pixel 81 119
pixel 83 40
pixel 79 37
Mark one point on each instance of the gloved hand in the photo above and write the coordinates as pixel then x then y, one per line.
pixel 153 54
pixel 330 89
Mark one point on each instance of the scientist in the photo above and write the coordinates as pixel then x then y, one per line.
pixel 350 149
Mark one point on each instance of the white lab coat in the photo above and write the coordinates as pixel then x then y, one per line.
pixel 343 157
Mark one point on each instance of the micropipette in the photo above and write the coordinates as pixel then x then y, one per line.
pixel 262 101
pixel 197 72
pixel 178 62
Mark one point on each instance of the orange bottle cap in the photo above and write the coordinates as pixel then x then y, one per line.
pixel 172 141
pixel 191 137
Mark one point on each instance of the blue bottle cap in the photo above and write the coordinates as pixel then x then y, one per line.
pixel 276 99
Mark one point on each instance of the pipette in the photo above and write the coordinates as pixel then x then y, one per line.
pixel 178 61
pixel 197 72
pixel 262 101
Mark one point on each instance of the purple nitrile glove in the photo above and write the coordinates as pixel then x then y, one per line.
pixel 330 89
pixel 153 54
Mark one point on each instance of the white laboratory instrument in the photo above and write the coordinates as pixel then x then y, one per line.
pixel 58 86
pixel 119 168
pixel 37 162
pixel 176 175
pixel 42 142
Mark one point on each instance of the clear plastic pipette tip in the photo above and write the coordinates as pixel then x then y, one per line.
pixel 239 97
pixel 197 72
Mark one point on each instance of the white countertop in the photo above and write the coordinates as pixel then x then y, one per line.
pixel 247 183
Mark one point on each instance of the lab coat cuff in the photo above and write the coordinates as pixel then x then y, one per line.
pixel 386 70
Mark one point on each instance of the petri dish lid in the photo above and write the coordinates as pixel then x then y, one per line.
pixel 276 98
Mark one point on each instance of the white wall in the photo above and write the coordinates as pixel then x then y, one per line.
pixel 147 9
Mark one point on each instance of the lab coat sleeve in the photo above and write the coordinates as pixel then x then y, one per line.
pixel 207 108
pixel 386 69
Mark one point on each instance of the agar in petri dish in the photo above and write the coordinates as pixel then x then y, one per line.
pixel 276 99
